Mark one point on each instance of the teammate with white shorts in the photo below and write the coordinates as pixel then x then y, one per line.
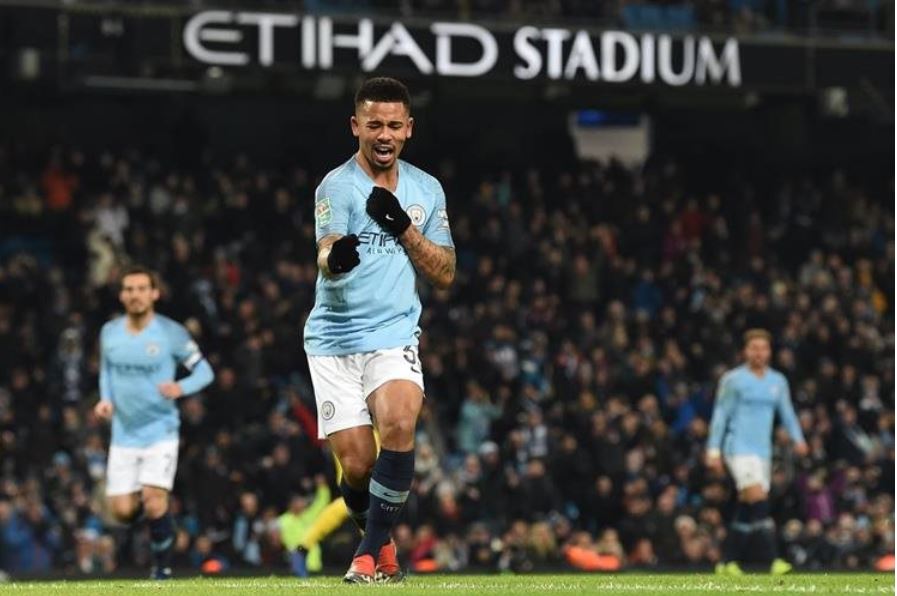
pixel 139 355
pixel 747 400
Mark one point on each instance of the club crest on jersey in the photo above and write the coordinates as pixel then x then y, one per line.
pixel 152 349
pixel 417 214
pixel 323 212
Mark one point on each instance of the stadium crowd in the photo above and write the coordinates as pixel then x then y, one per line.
pixel 570 371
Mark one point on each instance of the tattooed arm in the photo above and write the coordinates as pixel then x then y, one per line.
pixel 435 262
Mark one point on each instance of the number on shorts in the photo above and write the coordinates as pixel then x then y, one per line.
pixel 169 462
pixel 411 357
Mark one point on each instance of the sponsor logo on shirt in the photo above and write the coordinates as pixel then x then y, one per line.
pixel 380 243
pixel 152 349
pixel 130 369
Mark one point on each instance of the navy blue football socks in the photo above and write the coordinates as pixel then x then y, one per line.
pixel 161 540
pixel 389 488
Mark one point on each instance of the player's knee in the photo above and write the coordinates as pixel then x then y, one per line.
pixel 753 494
pixel 155 504
pixel 123 510
pixel 398 433
pixel 357 469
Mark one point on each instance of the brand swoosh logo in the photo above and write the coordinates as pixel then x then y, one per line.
pixel 389 218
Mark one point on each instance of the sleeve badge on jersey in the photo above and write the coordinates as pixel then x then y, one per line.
pixel 442 214
pixel 323 212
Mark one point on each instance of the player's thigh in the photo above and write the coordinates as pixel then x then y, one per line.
pixel 753 493
pixel 394 384
pixel 122 469
pixel 396 403
pixel 339 396
pixel 159 465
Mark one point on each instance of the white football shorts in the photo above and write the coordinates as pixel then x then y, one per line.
pixel 131 468
pixel 749 470
pixel 343 383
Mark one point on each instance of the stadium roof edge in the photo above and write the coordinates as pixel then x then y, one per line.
pixel 821 38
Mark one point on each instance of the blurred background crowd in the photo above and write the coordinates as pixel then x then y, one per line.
pixel 570 370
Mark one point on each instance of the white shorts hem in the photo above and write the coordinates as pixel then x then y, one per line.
pixel 342 384
pixel 129 469
pixel 749 470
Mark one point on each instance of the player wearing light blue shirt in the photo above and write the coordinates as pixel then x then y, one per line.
pixel 747 401
pixel 139 356
pixel 376 305
pixel 746 405
pixel 134 365
pixel 379 223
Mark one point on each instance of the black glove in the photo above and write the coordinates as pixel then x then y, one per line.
pixel 343 255
pixel 384 208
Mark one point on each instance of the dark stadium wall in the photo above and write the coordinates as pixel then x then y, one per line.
pixel 486 135
pixel 481 134
pixel 774 137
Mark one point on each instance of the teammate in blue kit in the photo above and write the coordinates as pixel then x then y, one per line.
pixel 378 221
pixel 747 401
pixel 139 355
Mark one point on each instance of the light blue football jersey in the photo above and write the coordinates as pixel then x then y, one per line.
pixel 131 369
pixel 745 409
pixel 375 306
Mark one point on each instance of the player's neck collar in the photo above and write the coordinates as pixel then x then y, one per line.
pixel 760 373
pixel 150 318
pixel 369 177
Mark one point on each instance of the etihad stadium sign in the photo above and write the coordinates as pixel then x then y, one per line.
pixel 453 49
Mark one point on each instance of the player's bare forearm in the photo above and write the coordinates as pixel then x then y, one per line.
pixel 324 252
pixel 435 262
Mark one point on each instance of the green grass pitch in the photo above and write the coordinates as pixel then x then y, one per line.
pixel 435 585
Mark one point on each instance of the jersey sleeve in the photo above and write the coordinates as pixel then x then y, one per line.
pixel 187 353
pixel 332 203
pixel 723 408
pixel 105 374
pixel 184 350
pixel 787 415
pixel 437 229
